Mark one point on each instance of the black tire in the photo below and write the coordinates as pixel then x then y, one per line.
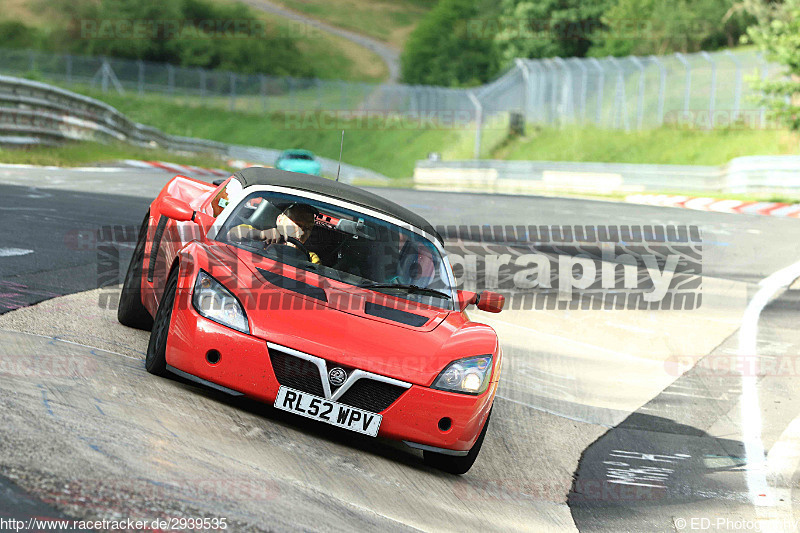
pixel 131 311
pixel 156 359
pixel 454 464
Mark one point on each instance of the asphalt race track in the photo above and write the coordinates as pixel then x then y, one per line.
pixel 594 429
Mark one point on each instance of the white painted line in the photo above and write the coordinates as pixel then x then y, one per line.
pixel 177 169
pixel 59 339
pixel 102 170
pixel 782 462
pixel 12 252
pixel 50 167
pixel 551 412
pixel 137 163
pixel 725 206
pixel 700 204
pixel 756 468
pixel 688 395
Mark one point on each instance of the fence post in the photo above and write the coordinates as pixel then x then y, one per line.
pixel 541 96
pixel 108 75
pixel 31 61
pixel 536 89
pixel 713 97
pixel 764 71
pixel 233 91
pixel 526 86
pixel 478 122
pixel 640 103
pixel 202 78
pixel 601 83
pixel 619 97
pixel 584 90
pixel 318 84
pixel 140 83
pixel 737 90
pixel 104 76
pixel 553 89
pixel 687 91
pixel 68 59
pixel 171 79
pixel 567 96
pixel 263 83
pixel 662 88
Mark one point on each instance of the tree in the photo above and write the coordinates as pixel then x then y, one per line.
pixel 182 32
pixel 445 49
pixel 643 27
pixel 548 28
pixel 777 32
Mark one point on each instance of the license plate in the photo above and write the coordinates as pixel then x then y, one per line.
pixel 333 413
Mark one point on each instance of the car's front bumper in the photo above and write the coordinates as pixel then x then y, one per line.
pixel 245 366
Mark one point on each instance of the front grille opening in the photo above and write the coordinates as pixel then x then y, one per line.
pixel 371 395
pixel 296 373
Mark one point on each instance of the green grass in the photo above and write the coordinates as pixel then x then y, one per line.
pixel 620 196
pixel 666 145
pixel 392 151
pixel 88 153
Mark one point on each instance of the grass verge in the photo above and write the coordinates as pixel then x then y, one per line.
pixel 89 153
pixel 665 146
pixel 392 148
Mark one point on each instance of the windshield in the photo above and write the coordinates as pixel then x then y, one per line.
pixel 341 243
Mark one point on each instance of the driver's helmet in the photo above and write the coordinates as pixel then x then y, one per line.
pixel 416 265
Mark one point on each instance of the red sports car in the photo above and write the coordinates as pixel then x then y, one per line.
pixel 321 298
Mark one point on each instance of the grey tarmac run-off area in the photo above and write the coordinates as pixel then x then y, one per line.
pixel 88 433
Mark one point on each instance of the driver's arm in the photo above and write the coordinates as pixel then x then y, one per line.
pixel 244 232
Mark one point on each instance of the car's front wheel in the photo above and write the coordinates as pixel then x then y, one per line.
pixel 131 311
pixel 455 464
pixel 156 359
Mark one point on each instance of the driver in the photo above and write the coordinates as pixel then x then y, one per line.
pixel 295 222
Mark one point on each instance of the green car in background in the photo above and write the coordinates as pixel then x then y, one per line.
pixel 298 161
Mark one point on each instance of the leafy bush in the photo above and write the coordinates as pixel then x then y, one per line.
pixel 443 51
pixel 643 27
pixel 777 32
pixel 548 28
pixel 15 34
pixel 195 33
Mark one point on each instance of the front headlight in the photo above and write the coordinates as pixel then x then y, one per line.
pixel 470 375
pixel 217 303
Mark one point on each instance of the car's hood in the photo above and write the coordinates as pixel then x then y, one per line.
pixel 356 327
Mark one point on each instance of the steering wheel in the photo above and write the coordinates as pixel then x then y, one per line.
pixel 300 246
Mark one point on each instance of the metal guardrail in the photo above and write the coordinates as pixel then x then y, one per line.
pixel 36 113
pixel 751 174
pixel 41 111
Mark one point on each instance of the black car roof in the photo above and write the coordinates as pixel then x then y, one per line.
pixel 335 189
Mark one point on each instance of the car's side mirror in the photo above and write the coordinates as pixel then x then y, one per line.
pixel 176 209
pixel 466 298
pixel 488 301
pixel 491 302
